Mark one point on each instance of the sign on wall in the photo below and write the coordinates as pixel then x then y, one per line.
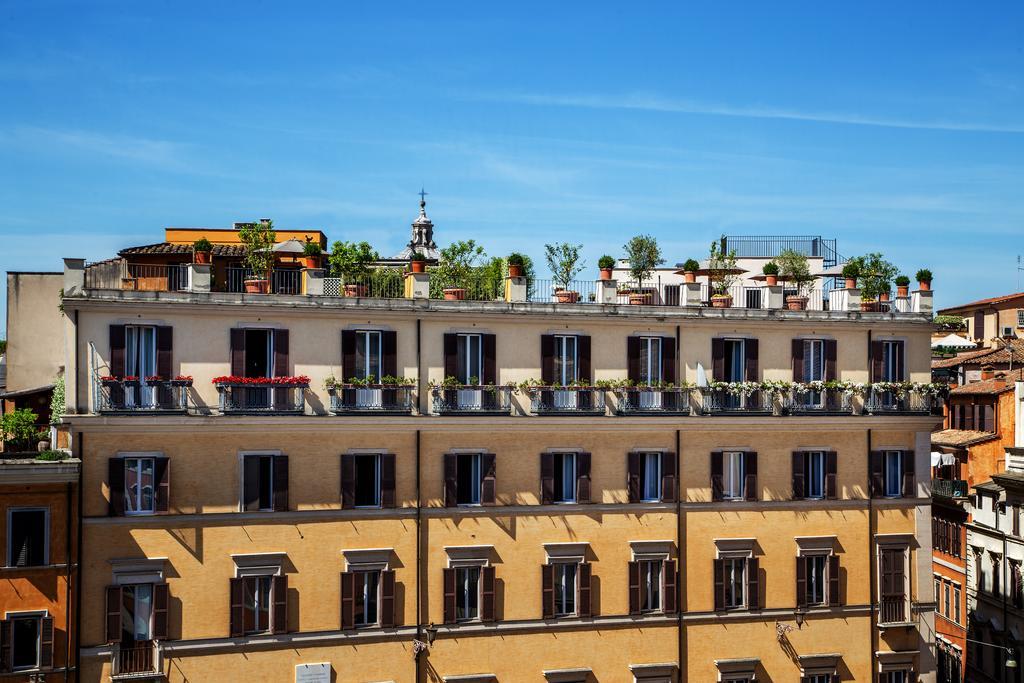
pixel 313 673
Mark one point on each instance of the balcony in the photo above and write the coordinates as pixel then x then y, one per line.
pixel 899 401
pixel 735 400
pixel 134 397
pixel 275 396
pixel 652 401
pixel 136 661
pixel 282 280
pixel 949 488
pixel 820 402
pixel 566 400
pixel 372 399
pixel 892 610
pixel 472 399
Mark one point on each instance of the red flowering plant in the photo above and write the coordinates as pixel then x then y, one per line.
pixel 262 381
pixel 115 378
pixel 153 379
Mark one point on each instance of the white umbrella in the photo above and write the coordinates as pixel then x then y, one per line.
pixel 955 341
pixel 290 246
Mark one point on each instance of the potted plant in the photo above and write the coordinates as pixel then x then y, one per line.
pixel 418 262
pixel 851 272
pixel 455 265
pixel 644 256
pixel 259 239
pixel 794 268
pixel 351 262
pixel 876 276
pixel 924 280
pixel 202 250
pixel 722 273
pixel 516 261
pixel 311 253
pixel 771 273
pixel 565 264
pixel 690 268
pixel 606 264
pixel 902 286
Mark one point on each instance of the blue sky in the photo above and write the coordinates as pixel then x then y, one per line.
pixel 891 126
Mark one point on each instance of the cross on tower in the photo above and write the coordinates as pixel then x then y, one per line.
pixel 422 194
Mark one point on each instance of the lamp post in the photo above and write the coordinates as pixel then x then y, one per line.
pixel 1011 660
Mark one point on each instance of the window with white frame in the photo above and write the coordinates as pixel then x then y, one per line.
pixel 367 588
pixel 892 361
pixel 28 536
pixel 136 612
pixel 735 581
pixel 470 361
pixel 733 473
pixel 892 468
pixel 467 593
pixel 566 359
pixel 565 587
pixel 735 360
pixel 139 485
pixel 23 633
pixel 814 368
pixel 140 361
pixel 469 479
pixel 368 355
pixel 650 360
pixel 650 584
pixel 814 474
pixel 650 477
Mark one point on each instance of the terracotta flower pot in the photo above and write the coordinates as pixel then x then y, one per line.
pixel 689 276
pixel 903 291
pixel 868 306
pixel 355 290
pixel 796 303
pixel 721 301
pixel 851 283
pixel 312 261
pixel 639 298
pixel 567 296
pixel 771 280
pixel 203 257
pixel 924 286
pixel 454 294
pixel 606 273
pixel 515 270
pixel 257 286
pixel 418 266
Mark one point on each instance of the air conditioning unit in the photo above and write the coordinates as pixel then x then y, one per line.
pixel 1008 332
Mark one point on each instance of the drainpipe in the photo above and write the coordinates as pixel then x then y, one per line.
pixel 419 555
pixel 679 544
pixel 67 573
pixel 873 622
pixel 80 442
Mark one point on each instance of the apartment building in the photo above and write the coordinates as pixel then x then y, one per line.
pixel 999 317
pixel 260 503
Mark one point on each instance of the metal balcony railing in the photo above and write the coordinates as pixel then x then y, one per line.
pixel 373 399
pixel 255 399
pixel 652 401
pixel 139 660
pixel 892 609
pixel 567 401
pixel 949 488
pixel 144 396
pixel 146 277
pixel 723 402
pixel 893 402
pixel 282 281
pixel 825 402
pixel 472 399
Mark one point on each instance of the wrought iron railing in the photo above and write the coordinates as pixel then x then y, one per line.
pixel 896 402
pixel 262 398
pixel 892 609
pixel 378 399
pixel 825 402
pixel 724 402
pixel 949 488
pixel 769 246
pixel 549 291
pixel 653 292
pixel 567 400
pixel 282 281
pixel 145 277
pixel 472 399
pixel 652 401
pixel 135 660
pixel 143 396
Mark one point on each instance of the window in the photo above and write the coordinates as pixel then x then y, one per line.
pixel 735 571
pixel 259 597
pixel 946 611
pixel 264 482
pixel 892 361
pixel 24 634
pixel 813 368
pixel 369 353
pixel 566 360
pixel 257 604
pixel 469 585
pixel 367 593
pixel 259 353
pixel 367 480
pixel 735 360
pixel 650 477
pixel 814 474
pixel 140 361
pixel 139 488
pixel 946 536
pixel 650 585
pixel 467 593
pixel 816 581
pixel 893 473
pixel 136 612
pixel 956 604
pixel 564 585
pixel 564 477
pixel 470 367
pixel 733 475
pixel 650 360
pixel 469 479
pixel 892 585
pixel 27 537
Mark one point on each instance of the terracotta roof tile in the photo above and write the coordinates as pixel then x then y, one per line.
pixel 982 302
pixel 169 248
pixel 960 437
pixel 989 386
pixel 995 356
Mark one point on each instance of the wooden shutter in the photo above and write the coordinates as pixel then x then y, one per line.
pixel 115 480
pixel 583 484
pixel 634 588
pixel 718 359
pixel 633 359
pixel 799 485
pixel 717 484
pixel 750 491
pixel 449 595
pixel 281 369
pixel 160 604
pixel 750 359
pixel 117 343
pixel 668 477
pixel 348 600
pixel 547 358
pixel 489 342
pixel 6 636
pixel 164 368
pixel 831 475
pixel 280 606
pixel 113 612
pixel 719 574
pixel 280 482
pixel 753 584
pixel 833 580
pixel 547 591
pixel 979 326
pixel 875 463
pixel 547 478
pixel 877 351
pixel 451 355
pixel 488 474
pixel 348 480
pixel 584 608
pixel 801 581
pixel 831 352
pixel 908 474
pixel 633 476
pixel 668 597
pixel 387 480
pixel 583 372
pixel 389 354
pixel 451 463
pixel 162 475
pixel 237 618
pixel 348 355
pixel 487 594
pixel 46 643
pixel 238 352
pixel 798 360
pixel 668 360
pixel 901 361
pixel 387 598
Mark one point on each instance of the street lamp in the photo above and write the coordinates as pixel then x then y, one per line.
pixel 1011 660
pixel 432 634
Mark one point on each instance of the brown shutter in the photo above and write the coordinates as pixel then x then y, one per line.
pixel 451 355
pixel 164 346
pixel 798 360
pixel 908 474
pixel 348 601
pixel 668 360
pixel 719 573
pixel 584 608
pixel 348 480
pixel 831 374
pixel 281 353
pixel 833 580
pixel 280 483
pixel 160 603
pixel 449 595
pixel 901 359
pixel 547 478
pixel 583 372
pixel 750 360
pixel 389 354
pixel 750 491
pixel 387 598
pixel 877 350
pixel 487 593
pixel 162 474
pixel 668 577
pixel 633 359
pixel 237 618
pixel 799 485
pixel 238 352
pixel 801 581
pixel 451 498
pixel 547 591
pixel 583 484
pixel 6 645
pixel 875 460
pixel 280 607
pixel 831 475
pixel 753 584
pixel 489 342
pixel 634 588
pixel 668 477
pixel 348 355
pixel 117 342
pixel 46 643
pixel 717 485
pixel 718 359
pixel 115 479
pixel 387 480
pixel 633 476
pixel 547 358
pixel 488 474
pixel 113 611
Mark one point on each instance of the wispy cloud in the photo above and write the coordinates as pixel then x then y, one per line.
pixel 147 150
pixel 657 103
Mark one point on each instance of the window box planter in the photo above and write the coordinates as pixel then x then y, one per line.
pixel 566 296
pixel 256 395
pixel 472 399
pixel 376 399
